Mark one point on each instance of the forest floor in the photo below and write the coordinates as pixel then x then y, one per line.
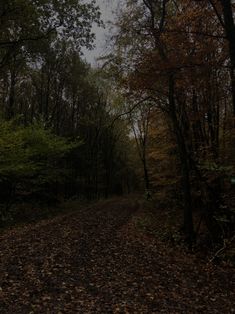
pixel 94 260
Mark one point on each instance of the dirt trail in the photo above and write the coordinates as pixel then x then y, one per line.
pixel 87 262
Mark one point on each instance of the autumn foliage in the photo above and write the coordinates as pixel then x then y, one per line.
pixel 178 56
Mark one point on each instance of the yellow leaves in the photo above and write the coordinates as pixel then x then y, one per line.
pixel 162 159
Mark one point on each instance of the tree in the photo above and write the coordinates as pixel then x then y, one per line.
pixel 24 23
pixel 175 55
pixel 224 11
pixel 139 120
pixel 31 158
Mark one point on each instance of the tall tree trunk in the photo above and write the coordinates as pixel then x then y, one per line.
pixel 186 185
pixel 230 34
pixel 146 175
pixel 11 102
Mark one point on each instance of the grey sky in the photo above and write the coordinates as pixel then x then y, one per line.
pixel 107 8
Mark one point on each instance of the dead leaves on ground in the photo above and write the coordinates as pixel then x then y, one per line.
pixel 89 262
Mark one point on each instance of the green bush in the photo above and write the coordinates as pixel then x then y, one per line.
pixel 31 159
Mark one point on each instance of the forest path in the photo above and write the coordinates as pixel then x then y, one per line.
pixel 90 262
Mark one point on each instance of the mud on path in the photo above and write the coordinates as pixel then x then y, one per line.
pixel 91 262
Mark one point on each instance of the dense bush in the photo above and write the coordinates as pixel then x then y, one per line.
pixel 31 159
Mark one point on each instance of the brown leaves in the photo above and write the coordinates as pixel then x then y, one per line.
pixel 90 262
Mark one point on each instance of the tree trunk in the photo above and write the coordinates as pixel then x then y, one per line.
pixel 146 175
pixel 11 102
pixel 186 185
pixel 230 34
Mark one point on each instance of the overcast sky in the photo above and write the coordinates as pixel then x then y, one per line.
pixel 107 8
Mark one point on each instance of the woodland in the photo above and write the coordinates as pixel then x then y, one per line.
pixel 117 181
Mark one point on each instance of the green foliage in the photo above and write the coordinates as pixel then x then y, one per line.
pixel 28 26
pixel 31 153
pixel 216 168
pixel 28 20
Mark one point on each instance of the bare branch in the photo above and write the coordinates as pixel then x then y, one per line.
pixel 217 13
pixel 131 110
